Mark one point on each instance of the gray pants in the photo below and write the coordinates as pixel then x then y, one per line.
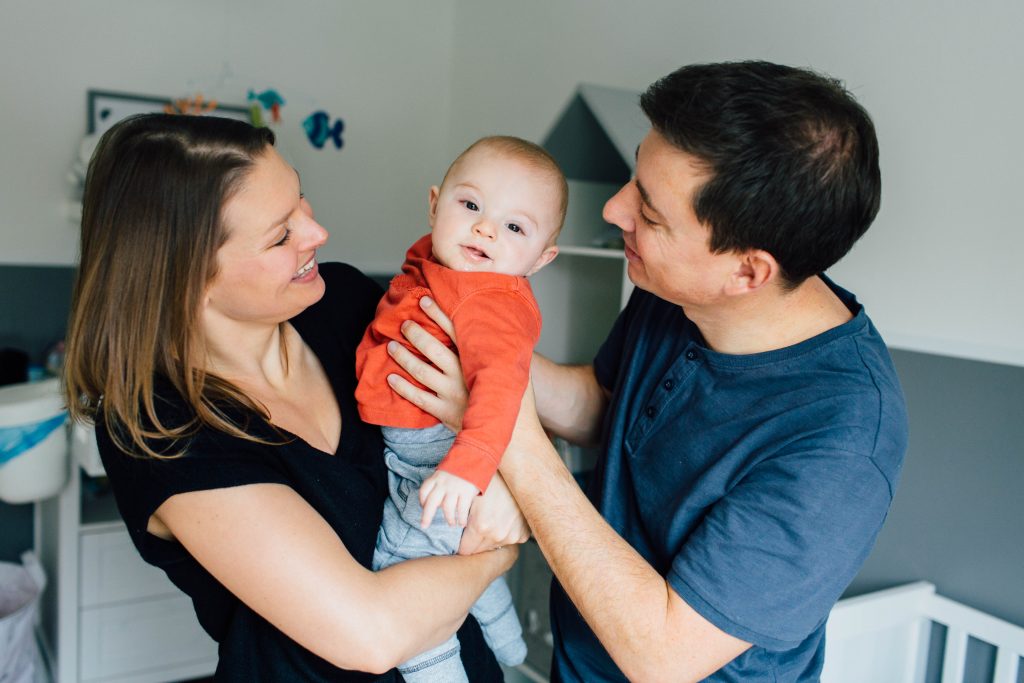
pixel 411 456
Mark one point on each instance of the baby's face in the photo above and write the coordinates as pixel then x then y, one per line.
pixel 494 213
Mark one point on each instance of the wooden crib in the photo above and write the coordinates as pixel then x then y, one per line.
pixel 885 637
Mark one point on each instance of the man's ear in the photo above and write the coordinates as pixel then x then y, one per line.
pixel 432 196
pixel 755 268
pixel 546 257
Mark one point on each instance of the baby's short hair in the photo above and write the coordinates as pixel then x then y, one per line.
pixel 533 154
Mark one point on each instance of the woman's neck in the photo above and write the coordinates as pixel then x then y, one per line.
pixel 249 352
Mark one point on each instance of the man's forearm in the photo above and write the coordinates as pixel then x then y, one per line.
pixel 570 402
pixel 648 630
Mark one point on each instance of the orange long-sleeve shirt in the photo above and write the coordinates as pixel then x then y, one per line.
pixel 497 323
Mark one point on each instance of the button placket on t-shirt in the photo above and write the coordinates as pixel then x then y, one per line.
pixel 674 384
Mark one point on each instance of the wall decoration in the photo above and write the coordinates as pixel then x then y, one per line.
pixel 270 100
pixel 193 106
pixel 319 129
pixel 106 108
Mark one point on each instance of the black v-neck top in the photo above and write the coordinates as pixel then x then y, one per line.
pixel 348 489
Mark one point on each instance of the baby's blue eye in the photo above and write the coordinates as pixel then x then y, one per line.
pixel 514 228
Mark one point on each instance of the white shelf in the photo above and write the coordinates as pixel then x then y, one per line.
pixel 598 252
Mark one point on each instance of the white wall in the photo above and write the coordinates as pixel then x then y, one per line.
pixel 416 82
pixel 384 67
pixel 939 269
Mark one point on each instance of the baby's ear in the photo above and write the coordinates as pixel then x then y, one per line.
pixel 432 196
pixel 546 257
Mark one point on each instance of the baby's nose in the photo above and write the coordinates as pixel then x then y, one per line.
pixel 484 229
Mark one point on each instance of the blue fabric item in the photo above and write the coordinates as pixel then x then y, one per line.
pixel 756 484
pixel 16 440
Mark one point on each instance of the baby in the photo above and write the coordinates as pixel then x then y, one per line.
pixel 493 221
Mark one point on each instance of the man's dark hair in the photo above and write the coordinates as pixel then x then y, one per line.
pixel 793 159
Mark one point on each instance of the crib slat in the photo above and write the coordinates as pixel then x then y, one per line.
pixel 1007 662
pixel 916 663
pixel 956 655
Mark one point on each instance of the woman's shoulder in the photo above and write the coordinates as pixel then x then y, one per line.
pixel 346 282
pixel 200 458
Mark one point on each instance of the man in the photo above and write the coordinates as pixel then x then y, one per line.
pixel 752 422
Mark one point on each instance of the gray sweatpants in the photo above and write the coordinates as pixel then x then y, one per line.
pixel 411 455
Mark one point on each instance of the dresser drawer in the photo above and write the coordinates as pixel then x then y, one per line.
pixel 112 571
pixel 149 635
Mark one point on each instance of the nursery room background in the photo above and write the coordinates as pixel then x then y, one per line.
pixel 412 83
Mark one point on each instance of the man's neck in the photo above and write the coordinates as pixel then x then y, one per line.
pixel 770 319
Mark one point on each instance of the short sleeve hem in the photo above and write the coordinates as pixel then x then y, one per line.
pixel 722 621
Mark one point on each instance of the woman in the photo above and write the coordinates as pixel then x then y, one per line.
pixel 216 358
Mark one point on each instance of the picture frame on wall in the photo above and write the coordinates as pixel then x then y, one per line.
pixel 105 108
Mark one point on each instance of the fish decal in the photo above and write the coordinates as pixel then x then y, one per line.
pixel 319 130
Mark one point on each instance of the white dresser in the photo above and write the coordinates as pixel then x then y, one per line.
pixel 107 616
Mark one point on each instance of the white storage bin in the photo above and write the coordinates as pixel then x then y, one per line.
pixel 33 441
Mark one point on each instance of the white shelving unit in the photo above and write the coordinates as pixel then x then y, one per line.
pixel 580 294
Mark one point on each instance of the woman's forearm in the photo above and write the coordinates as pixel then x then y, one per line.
pixel 317 593
pixel 422 602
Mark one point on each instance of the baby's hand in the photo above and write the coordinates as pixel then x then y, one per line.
pixel 454 495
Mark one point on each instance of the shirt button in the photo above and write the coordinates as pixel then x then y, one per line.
pixel 650 411
pixel 668 385
pixel 691 355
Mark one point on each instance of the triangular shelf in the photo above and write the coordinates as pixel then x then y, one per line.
pixel 596 136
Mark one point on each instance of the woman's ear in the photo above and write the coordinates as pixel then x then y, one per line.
pixel 432 196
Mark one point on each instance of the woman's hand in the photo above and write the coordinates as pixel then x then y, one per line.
pixel 447 396
pixel 494 521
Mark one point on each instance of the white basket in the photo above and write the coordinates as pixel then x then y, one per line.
pixel 41 470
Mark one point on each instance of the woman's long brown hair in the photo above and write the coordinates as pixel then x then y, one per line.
pixel 151 227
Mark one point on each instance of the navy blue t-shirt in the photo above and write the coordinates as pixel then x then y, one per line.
pixel 756 484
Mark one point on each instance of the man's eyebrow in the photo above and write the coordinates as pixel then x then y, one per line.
pixel 646 198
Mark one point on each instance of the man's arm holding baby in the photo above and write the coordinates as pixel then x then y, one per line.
pixel 650 632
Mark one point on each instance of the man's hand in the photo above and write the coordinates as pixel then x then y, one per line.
pixel 445 397
pixel 454 495
pixel 494 521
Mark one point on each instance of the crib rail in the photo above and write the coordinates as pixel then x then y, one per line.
pixel 962 623
pixel 885 637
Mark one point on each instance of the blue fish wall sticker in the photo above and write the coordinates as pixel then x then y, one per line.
pixel 319 130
